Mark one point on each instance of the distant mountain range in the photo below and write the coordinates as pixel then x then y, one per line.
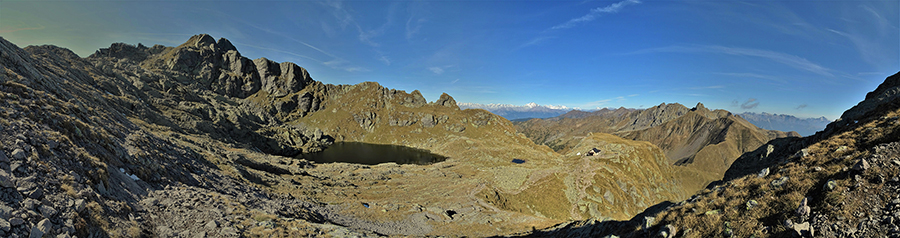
pixel 782 122
pixel 513 112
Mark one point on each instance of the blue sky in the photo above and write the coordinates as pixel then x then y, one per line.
pixel 805 58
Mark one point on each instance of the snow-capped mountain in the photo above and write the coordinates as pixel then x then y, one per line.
pixel 512 112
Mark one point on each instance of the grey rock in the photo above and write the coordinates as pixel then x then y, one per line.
pixel 29 203
pixel 804 210
pixel 803 229
pixel 18 154
pixel 648 222
pixel 447 101
pixel 762 173
pixel 45 226
pixel 79 205
pixel 17 165
pixel 751 204
pixel 5 211
pixel 266 224
pixel 6 180
pixel 25 184
pixel 4 225
pixel 36 232
pixel 668 231
pixel 779 182
pixel 281 79
pixel 37 193
pixel 101 189
pixel 830 185
pixel 896 162
pixel 16 221
pixel 47 211
pixel 3 158
pixel 862 165
pixel 428 121
pixel 212 225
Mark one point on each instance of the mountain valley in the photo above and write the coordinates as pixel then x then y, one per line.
pixel 197 140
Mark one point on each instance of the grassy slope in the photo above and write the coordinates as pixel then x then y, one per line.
pixel 832 154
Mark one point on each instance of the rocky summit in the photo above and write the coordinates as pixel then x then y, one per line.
pixel 196 140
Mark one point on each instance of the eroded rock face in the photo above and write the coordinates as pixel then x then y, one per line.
pixel 281 79
pixel 887 91
pixel 447 101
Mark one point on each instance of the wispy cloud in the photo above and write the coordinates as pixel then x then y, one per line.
pixel 750 104
pixel 436 70
pixel 344 65
pixel 802 106
pixel 280 51
pixel 413 25
pixel 753 75
pixel 21 27
pixel 335 63
pixel 594 13
pixel 440 69
pixel 707 87
pixel 786 59
pixel 385 60
pixel 536 41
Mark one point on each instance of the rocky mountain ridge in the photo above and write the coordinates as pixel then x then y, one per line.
pixel 707 141
pixel 784 122
pixel 196 140
pixel 841 182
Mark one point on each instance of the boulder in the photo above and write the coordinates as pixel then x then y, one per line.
pixel 16 221
pixel 803 210
pixel 6 180
pixel 19 154
pixel 5 211
pixel 861 166
pixel 763 173
pixel 3 158
pixel 803 229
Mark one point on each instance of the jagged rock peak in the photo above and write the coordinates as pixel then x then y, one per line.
pixel 206 41
pixel 200 40
pixel 225 45
pixel 447 101
pixel 281 79
pixel 699 107
pixel 123 51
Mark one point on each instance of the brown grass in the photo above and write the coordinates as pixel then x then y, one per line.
pixel 834 154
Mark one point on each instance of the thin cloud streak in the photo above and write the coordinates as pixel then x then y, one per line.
pixel 786 59
pixel 596 12
pixel 39 27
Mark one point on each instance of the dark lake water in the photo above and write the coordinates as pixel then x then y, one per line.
pixel 372 154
